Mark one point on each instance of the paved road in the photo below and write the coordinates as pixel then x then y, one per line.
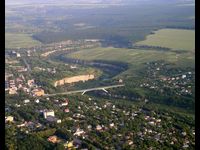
pixel 27 65
pixel 86 90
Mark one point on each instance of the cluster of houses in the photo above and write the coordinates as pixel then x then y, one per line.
pixel 70 45
pixel 15 54
pixel 49 70
pixel 18 55
pixel 151 123
pixel 179 80
pixel 49 115
pixel 73 144
pixel 12 85
pixel 15 83
pixel 113 113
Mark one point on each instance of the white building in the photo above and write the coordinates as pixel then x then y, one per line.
pixel 9 119
pixel 151 123
pixel 18 55
pixel 47 113
pixel 112 125
pixel 26 101
pixel 64 104
pixel 30 82
pixel 37 100
pixel 98 127
pixel 79 132
pixel 184 76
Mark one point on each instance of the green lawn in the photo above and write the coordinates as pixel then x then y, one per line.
pixel 177 39
pixel 16 40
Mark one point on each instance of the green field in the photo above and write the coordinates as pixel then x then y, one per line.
pixel 172 38
pixel 135 57
pixel 15 40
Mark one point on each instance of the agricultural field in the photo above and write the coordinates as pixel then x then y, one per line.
pixel 135 57
pixel 176 39
pixel 15 40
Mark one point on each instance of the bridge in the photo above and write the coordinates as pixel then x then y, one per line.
pixel 86 90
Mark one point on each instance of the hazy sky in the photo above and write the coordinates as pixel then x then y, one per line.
pixel 15 2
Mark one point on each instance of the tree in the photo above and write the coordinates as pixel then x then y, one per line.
pixel 10 138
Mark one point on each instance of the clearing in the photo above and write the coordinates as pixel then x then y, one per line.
pixel 135 57
pixel 176 39
pixel 20 40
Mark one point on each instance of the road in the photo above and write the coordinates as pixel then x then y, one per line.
pixel 27 65
pixel 86 90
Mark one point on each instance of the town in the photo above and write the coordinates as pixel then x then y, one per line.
pixel 100 75
pixel 83 121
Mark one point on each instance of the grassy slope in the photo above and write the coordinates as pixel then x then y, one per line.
pixel 15 40
pixel 172 38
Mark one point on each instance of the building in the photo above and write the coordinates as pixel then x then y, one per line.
pixel 37 100
pixel 47 113
pixel 53 139
pixel 6 86
pixel 73 67
pixel 18 55
pixel 120 81
pixel 58 121
pixel 26 101
pixel 98 128
pixel 52 119
pixel 79 132
pixel 64 103
pixel 112 125
pixel 68 144
pixel 21 69
pixel 38 92
pixel 29 53
pixel 151 123
pixel 77 143
pixel 12 91
pixel 184 76
pixel 66 110
pixel 9 119
pixel 30 82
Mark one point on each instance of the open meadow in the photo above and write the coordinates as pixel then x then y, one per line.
pixel 181 40
pixel 135 57
pixel 176 39
pixel 15 40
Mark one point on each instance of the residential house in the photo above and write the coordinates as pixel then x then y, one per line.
pixel 68 144
pixel 79 132
pixel 47 113
pixel 9 119
pixel 66 110
pixel 12 91
pixel 52 119
pixel 64 103
pixel 53 139
pixel 30 82
pixel 98 127
pixel 38 92
pixel 26 101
